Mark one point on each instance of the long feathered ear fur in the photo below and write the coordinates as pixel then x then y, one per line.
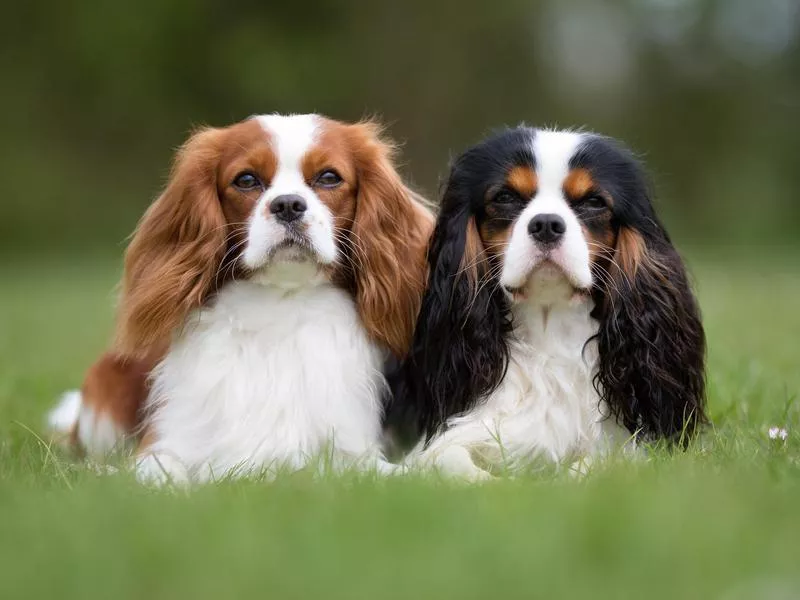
pixel 651 339
pixel 389 235
pixel 459 352
pixel 175 252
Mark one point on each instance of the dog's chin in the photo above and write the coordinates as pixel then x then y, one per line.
pixel 292 251
pixel 547 283
pixel 290 264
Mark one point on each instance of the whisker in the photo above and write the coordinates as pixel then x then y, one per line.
pixel 355 257
pixel 225 266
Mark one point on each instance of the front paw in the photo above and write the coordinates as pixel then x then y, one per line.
pixel 476 475
pixel 581 467
pixel 456 462
pixel 158 469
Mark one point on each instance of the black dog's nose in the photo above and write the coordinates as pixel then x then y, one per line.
pixel 288 207
pixel 547 228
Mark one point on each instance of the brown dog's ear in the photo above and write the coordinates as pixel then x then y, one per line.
pixel 176 250
pixel 390 234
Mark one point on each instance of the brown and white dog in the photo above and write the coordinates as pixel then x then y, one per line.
pixel 263 291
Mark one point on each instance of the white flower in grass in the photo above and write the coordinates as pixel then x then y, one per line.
pixel 777 433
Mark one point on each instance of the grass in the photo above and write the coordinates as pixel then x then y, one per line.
pixel 719 521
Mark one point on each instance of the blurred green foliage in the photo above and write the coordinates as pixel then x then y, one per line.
pixel 97 93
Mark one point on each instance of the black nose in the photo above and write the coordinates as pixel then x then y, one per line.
pixel 547 228
pixel 288 207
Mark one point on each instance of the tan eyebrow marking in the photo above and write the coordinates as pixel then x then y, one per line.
pixel 523 179
pixel 578 184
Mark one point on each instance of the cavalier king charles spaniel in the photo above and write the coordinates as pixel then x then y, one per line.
pixel 558 320
pixel 262 293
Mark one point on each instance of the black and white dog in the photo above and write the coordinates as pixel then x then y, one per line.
pixel 558 320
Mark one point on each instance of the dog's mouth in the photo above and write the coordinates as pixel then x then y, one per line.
pixel 290 264
pixel 547 276
pixel 294 248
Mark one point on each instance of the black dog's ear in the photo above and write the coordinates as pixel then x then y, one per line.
pixel 651 340
pixel 458 354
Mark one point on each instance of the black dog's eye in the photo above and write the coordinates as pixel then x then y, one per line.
pixel 247 181
pixel 504 197
pixel 594 202
pixel 328 179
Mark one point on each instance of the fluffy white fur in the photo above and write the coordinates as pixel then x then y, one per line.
pixel 277 372
pixel 546 406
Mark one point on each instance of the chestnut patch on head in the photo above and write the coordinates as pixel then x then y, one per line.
pixel 333 152
pixel 247 149
pixel 247 165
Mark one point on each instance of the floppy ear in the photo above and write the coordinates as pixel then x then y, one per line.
pixel 389 236
pixel 175 252
pixel 459 352
pixel 651 339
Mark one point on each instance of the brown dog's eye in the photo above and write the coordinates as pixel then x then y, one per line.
pixel 328 179
pixel 247 181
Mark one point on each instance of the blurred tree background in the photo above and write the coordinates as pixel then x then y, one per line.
pixel 97 93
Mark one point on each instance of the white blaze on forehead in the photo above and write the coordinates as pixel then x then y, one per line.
pixel 552 151
pixel 291 138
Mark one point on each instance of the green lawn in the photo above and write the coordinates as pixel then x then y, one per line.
pixel 720 521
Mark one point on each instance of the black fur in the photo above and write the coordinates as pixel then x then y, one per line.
pixel 651 341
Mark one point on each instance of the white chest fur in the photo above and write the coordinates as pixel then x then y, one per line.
pixel 545 407
pixel 268 377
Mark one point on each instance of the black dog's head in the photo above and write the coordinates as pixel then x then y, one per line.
pixel 532 213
